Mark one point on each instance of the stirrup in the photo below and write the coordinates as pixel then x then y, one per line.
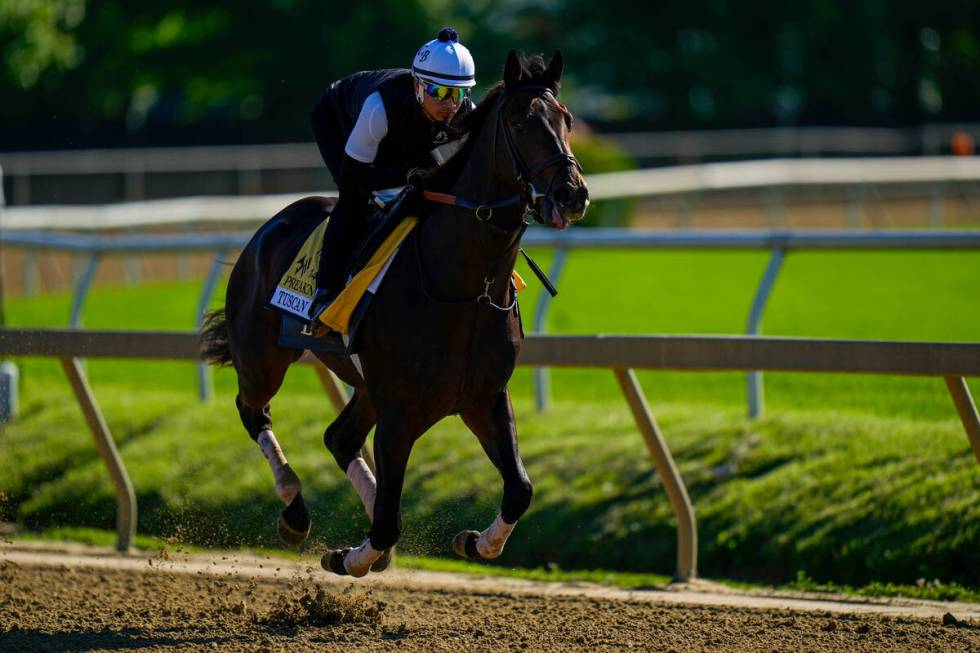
pixel 321 301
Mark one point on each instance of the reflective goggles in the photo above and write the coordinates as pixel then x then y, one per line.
pixel 442 93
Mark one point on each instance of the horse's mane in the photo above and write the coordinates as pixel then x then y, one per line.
pixel 470 124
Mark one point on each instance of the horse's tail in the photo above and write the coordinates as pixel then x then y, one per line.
pixel 215 348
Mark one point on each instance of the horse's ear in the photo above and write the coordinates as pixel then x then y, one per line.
pixel 556 67
pixel 512 70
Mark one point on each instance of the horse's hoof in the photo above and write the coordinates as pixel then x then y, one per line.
pixel 334 561
pixel 464 544
pixel 291 536
pixel 294 522
pixel 384 561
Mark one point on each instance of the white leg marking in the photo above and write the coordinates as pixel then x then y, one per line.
pixel 287 483
pixel 363 481
pixel 491 541
pixel 358 561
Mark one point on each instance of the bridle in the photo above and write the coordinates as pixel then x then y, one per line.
pixel 527 198
pixel 528 190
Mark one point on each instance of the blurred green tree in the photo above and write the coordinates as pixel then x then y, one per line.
pixel 109 72
pixel 37 35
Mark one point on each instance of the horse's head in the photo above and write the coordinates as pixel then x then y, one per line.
pixel 535 128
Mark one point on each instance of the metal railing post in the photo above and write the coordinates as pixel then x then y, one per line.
pixel 960 392
pixel 125 496
pixel 542 375
pixel 687 528
pixel 22 189
pixel 131 265
pixel 774 210
pixel 207 291
pixel 754 387
pixel 855 195
pixel 937 204
pixel 30 272
pixel 134 184
pixel 81 290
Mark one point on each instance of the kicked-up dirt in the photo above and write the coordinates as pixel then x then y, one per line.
pixel 75 599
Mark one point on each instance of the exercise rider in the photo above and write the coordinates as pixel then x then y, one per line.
pixel 377 128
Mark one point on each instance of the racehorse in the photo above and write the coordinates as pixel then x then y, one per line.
pixel 443 332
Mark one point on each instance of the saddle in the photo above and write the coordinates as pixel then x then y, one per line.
pixel 388 225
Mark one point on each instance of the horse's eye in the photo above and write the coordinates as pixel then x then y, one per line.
pixel 569 122
pixel 518 126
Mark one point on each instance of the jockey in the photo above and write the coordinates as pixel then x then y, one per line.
pixel 376 128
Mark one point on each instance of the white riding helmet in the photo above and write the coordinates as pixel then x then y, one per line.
pixel 445 61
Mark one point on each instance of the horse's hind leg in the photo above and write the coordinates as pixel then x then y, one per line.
pixel 495 427
pixel 258 382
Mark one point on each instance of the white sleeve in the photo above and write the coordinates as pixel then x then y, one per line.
pixel 370 128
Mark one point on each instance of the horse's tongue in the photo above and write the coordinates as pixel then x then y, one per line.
pixel 556 218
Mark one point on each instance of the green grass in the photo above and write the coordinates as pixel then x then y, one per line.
pixel 89 536
pixel 848 479
pixel 873 295
pixel 845 498
pixel 931 590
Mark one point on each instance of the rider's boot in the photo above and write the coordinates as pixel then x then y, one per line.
pixel 324 297
pixel 342 235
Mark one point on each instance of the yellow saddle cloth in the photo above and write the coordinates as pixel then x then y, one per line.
pixel 298 285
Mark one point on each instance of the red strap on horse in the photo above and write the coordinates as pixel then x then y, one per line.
pixel 442 198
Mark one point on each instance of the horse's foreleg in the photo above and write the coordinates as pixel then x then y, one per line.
pixel 344 438
pixel 496 429
pixel 392 447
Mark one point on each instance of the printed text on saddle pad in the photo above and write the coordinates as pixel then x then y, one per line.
pixel 297 287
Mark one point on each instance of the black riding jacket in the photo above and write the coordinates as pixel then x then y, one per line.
pixel 408 143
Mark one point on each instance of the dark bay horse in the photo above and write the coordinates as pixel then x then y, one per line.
pixel 443 333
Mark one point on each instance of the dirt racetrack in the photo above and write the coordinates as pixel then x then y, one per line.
pixel 70 598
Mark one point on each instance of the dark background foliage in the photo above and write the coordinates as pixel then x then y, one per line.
pixel 83 73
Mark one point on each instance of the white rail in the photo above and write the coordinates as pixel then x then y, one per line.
pixel 784 172
pixel 635 183
pixel 183 210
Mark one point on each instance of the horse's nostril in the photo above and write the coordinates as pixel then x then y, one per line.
pixel 563 197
